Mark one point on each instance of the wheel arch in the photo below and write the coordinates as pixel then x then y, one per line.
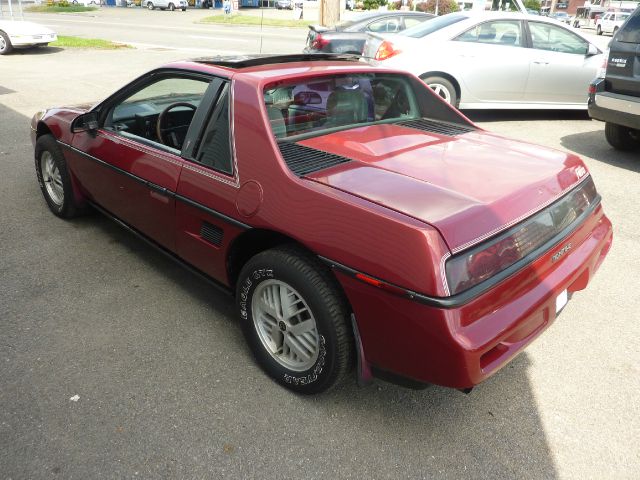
pixel 448 76
pixel 43 129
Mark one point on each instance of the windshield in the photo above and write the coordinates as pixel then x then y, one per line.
pixel 431 26
pixel 339 102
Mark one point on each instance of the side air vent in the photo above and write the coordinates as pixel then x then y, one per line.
pixel 435 126
pixel 211 233
pixel 304 160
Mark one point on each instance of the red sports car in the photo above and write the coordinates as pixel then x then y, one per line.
pixel 356 216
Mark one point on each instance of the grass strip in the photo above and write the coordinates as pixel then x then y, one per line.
pixel 78 42
pixel 59 9
pixel 254 20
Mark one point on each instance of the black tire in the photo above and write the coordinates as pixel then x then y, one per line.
pixel 621 138
pixel 451 92
pixel 172 7
pixel 599 30
pixel 67 207
pixel 5 45
pixel 314 283
pixel 150 6
pixel 184 9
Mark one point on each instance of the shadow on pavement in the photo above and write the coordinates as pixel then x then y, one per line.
pixel 594 145
pixel 524 115
pixel 35 51
pixel 167 387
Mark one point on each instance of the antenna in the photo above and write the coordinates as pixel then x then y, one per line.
pixel 261 20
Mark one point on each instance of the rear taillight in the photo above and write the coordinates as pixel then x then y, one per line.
pixel 319 42
pixel 385 50
pixel 487 260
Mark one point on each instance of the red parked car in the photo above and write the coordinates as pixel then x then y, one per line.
pixel 356 216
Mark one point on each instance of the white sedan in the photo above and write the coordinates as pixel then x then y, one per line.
pixel 17 34
pixel 494 60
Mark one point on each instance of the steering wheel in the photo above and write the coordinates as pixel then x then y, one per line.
pixel 161 129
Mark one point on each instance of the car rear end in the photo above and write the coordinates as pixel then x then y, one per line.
pixel 614 97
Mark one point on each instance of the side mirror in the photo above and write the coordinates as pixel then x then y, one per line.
pixel 87 122
pixel 592 50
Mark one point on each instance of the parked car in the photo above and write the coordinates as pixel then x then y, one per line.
pixel 284 5
pixel 165 4
pixel 356 224
pixel 349 36
pixel 494 60
pixel 614 97
pixel 610 22
pixel 21 34
pixel 563 17
pixel 86 3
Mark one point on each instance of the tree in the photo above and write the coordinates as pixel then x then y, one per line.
pixel 532 5
pixel 444 6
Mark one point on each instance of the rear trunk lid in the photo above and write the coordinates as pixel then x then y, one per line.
pixel 469 185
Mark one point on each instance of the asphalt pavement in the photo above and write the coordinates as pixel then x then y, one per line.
pixel 116 363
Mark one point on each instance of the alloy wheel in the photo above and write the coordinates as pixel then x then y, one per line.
pixel 285 325
pixel 51 178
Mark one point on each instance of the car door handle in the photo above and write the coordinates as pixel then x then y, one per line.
pixel 540 62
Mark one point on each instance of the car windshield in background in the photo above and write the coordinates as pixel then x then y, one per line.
pixel 338 102
pixel 431 26
pixel 356 19
pixel 630 31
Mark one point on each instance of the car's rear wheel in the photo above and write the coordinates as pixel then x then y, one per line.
pixel 172 7
pixel 150 6
pixel 620 137
pixel 599 30
pixel 53 178
pixel 295 319
pixel 184 9
pixel 443 88
pixel 5 43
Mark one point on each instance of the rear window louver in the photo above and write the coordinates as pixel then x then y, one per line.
pixel 303 160
pixel 434 126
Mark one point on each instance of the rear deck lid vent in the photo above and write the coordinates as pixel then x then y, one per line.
pixel 304 160
pixel 435 126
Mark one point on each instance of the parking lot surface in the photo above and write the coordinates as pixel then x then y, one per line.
pixel 116 363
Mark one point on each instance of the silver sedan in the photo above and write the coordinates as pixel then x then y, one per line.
pixel 494 60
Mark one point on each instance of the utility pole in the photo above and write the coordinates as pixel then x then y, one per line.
pixel 329 12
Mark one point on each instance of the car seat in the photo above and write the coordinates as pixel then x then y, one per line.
pixel 346 107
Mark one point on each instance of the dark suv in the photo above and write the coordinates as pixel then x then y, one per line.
pixel 614 98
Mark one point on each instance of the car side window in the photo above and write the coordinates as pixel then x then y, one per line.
pixel 630 31
pixel 500 32
pixel 411 22
pixel 160 112
pixel 385 25
pixel 215 146
pixel 545 36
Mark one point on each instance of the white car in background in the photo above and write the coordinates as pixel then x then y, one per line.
pixel 610 22
pixel 165 4
pixel 20 34
pixel 494 60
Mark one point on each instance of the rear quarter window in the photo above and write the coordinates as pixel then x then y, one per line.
pixel 630 31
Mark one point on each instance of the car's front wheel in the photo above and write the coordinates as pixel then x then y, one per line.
pixel 150 6
pixel 443 88
pixel 620 137
pixel 5 43
pixel 53 178
pixel 295 319
pixel 172 7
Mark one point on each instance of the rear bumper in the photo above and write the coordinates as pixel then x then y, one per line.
pixel 463 346
pixel 615 108
pixel 29 40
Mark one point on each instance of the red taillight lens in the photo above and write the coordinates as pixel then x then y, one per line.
pixel 319 42
pixel 474 266
pixel 385 50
